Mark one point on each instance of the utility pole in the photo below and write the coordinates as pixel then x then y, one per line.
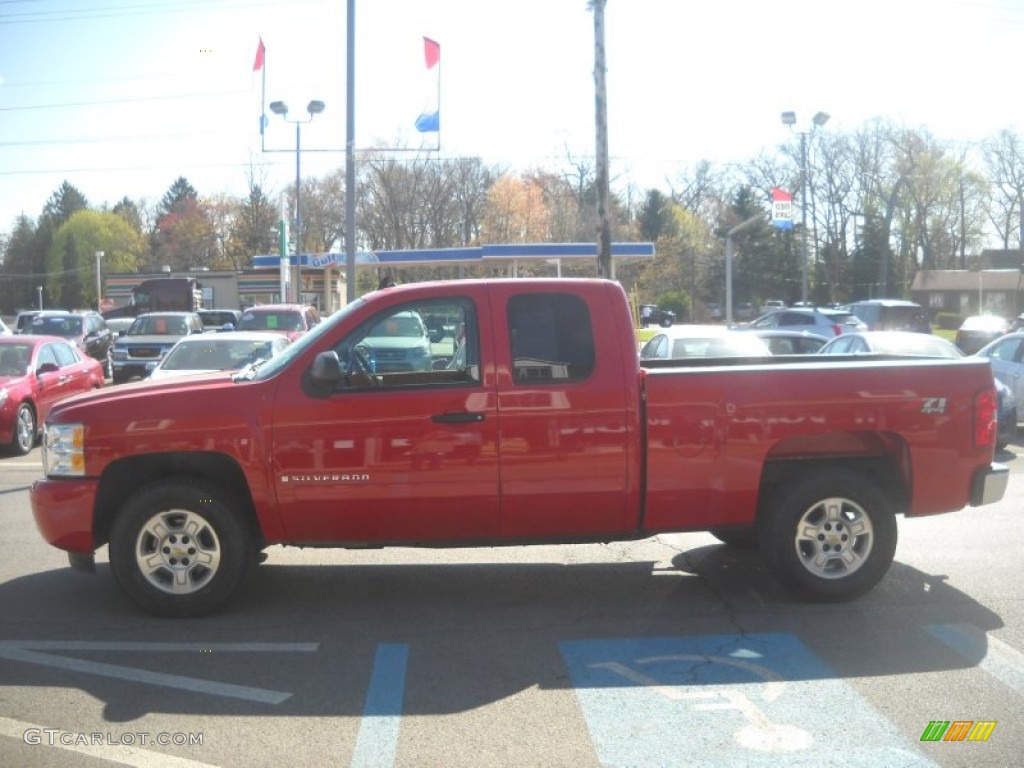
pixel 604 229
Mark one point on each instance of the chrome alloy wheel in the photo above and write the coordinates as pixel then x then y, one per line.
pixel 24 429
pixel 834 538
pixel 177 551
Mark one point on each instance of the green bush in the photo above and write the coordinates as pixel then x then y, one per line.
pixel 676 301
pixel 949 321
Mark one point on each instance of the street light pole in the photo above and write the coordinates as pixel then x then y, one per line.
pixel 819 119
pixel 314 108
pixel 99 284
pixel 298 213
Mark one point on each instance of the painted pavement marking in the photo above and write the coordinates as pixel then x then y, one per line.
pixel 1004 662
pixel 377 741
pixel 725 700
pixel 28 652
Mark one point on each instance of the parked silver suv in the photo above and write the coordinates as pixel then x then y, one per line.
pixel 825 322
pixel 892 315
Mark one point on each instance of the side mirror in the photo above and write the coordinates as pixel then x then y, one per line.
pixel 326 369
pixel 322 377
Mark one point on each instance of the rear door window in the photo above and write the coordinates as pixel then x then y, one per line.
pixel 551 337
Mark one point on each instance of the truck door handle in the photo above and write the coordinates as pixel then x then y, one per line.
pixel 456 418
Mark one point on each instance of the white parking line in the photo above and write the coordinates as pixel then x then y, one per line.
pixel 1002 661
pixel 21 651
pixel 115 753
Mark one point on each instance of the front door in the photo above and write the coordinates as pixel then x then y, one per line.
pixel 405 448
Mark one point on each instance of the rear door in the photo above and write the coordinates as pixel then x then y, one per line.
pixel 566 438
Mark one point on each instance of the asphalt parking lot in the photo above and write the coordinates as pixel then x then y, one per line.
pixel 674 650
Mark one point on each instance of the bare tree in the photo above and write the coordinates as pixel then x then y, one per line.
pixel 1004 163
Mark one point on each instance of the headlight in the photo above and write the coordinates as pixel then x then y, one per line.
pixel 120 353
pixel 64 449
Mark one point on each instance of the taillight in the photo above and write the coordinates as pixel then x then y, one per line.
pixel 837 329
pixel 986 418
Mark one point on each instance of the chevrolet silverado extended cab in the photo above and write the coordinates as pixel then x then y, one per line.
pixel 534 423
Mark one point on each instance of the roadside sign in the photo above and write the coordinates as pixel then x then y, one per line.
pixel 782 209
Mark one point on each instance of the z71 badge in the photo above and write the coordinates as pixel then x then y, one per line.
pixel 933 405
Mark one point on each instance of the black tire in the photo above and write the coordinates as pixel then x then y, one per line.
pixel 179 549
pixel 666 322
pixel 831 537
pixel 23 437
pixel 740 538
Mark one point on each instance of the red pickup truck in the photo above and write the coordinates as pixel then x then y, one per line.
pixel 531 422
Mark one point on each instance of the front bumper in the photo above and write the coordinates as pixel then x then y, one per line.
pixel 63 511
pixel 989 484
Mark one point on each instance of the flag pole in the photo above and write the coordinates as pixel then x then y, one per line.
pixel 263 101
pixel 438 147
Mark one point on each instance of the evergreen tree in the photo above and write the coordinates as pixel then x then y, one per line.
pixel 129 211
pixel 179 192
pixel 62 204
pixel 18 285
pixel 653 215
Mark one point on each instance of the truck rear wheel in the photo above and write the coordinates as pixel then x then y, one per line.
pixel 832 537
pixel 177 549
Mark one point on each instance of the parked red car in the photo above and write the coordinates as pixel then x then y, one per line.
pixel 36 372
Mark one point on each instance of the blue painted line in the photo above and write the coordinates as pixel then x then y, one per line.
pixel 377 741
pixel 725 700
pixel 1001 661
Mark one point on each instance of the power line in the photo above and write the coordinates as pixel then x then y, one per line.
pixel 133 100
pixel 119 11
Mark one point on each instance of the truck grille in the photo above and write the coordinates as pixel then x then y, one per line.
pixel 138 353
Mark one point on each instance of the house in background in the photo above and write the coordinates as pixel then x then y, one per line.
pixel 995 289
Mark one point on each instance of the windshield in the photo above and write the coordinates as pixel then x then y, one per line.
pixel 159 325
pixel 278 320
pixel 283 360
pixel 216 354
pixel 57 325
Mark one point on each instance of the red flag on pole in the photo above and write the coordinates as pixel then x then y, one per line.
pixel 260 53
pixel 431 52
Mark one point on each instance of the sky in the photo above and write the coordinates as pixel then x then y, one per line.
pixel 121 97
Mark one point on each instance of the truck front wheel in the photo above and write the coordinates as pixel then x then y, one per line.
pixel 832 537
pixel 177 549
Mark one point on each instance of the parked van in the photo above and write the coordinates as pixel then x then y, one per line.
pixel 892 315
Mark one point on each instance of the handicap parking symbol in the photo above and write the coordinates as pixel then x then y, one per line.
pixel 725 700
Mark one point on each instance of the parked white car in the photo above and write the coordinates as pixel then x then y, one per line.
pixel 224 351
